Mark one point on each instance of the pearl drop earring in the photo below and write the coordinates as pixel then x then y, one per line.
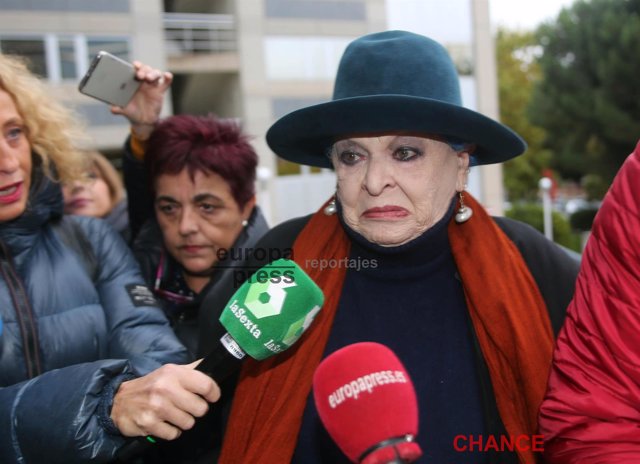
pixel 331 207
pixel 464 212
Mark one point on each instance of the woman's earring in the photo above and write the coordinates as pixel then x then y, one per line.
pixel 331 207
pixel 245 223
pixel 464 212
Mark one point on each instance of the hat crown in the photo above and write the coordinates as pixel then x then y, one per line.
pixel 397 63
pixel 389 82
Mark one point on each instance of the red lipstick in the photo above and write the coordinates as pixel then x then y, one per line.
pixel 11 193
pixel 386 212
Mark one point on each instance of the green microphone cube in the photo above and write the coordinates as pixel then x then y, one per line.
pixel 271 310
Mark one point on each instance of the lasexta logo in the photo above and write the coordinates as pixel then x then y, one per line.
pixel 297 328
pixel 267 299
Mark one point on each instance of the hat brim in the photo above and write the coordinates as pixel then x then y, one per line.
pixel 305 136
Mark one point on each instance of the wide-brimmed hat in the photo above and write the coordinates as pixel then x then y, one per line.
pixel 393 81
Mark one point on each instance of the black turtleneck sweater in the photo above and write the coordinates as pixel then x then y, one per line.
pixel 410 299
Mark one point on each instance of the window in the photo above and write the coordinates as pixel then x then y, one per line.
pixel 332 10
pixel 32 49
pixel 303 58
pixel 66 5
pixel 66 48
pixel 115 46
pixel 62 57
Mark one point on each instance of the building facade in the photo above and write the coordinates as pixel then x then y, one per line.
pixel 254 60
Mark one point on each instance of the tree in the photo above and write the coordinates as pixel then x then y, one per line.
pixel 587 97
pixel 517 73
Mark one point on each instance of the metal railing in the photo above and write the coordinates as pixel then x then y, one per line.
pixel 199 33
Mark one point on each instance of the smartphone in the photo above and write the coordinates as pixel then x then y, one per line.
pixel 109 79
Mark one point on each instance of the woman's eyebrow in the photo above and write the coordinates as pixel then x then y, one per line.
pixel 206 196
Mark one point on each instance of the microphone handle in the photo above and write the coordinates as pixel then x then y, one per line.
pixel 219 365
pixel 389 443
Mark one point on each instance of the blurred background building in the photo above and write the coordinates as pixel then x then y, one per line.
pixel 255 60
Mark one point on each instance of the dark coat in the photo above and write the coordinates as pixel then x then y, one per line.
pixel 553 268
pixel 69 337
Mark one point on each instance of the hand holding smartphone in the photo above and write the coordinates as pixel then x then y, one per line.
pixel 110 80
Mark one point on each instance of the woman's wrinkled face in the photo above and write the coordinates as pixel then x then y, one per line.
pixel 88 197
pixel 15 160
pixel 393 188
pixel 198 217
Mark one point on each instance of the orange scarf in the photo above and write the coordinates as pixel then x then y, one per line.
pixel 505 305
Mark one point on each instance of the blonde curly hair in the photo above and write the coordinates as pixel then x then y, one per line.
pixel 52 130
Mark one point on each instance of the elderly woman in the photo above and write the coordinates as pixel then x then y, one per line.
pixel 82 340
pixel 100 193
pixel 469 303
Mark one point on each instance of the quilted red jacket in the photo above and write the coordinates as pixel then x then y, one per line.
pixel 591 413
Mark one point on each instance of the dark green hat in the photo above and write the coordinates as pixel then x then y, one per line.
pixel 393 81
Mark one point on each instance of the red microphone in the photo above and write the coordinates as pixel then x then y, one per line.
pixel 367 403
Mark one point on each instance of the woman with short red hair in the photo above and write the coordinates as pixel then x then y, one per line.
pixel 190 181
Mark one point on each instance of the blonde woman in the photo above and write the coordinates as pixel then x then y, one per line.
pixel 99 193
pixel 80 352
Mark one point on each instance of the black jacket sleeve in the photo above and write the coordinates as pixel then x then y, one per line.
pixel 554 268
pixel 136 183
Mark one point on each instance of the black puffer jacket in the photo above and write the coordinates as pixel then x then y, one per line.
pixel 69 336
